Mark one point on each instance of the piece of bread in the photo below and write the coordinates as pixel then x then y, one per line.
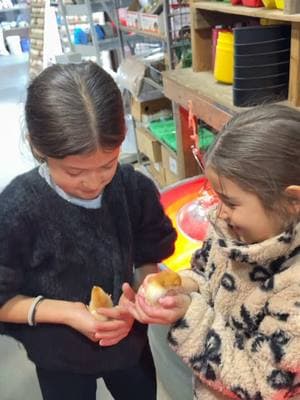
pixel 159 284
pixel 99 299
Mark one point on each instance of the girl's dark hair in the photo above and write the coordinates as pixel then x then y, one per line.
pixel 259 150
pixel 73 109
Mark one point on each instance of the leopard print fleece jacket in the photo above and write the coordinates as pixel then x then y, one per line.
pixel 241 332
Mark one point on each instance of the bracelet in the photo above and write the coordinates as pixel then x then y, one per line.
pixel 32 310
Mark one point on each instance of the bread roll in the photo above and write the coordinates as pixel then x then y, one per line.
pixel 99 299
pixel 159 284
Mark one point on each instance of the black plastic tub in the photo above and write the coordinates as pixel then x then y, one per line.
pixel 255 97
pixel 262 47
pixel 262 59
pixel 259 83
pixel 262 70
pixel 258 33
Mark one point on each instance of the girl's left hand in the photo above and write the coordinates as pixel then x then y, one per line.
pixel 168 309
pixel 116 328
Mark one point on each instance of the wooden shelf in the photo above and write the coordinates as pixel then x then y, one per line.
pixel 206 14
pixel 260 12
pixel 212 101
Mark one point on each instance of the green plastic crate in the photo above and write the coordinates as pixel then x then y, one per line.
pixel 165 131
pixel 160 128
pixel 206 138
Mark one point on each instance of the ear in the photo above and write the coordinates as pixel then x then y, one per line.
pixel 293 192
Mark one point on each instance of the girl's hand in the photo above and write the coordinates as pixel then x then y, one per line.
pixel 115 329
pixel 79 318
pixel 107 333
pixel 168 309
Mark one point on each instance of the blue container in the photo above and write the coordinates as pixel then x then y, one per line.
pixel 25 44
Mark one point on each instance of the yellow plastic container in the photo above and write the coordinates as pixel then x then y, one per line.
pixel 269 3
pixel 223 71
pixel 280 4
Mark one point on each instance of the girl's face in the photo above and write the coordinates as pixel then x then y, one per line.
pixel 84 176
pixel 243 211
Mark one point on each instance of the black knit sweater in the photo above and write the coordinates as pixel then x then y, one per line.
pixel 53 248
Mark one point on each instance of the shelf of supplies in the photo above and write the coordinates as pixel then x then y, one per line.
pixel 143 33
pixel 80 10
pixel 88 50
pixel 259 12
pixel 17 8
pixel 212 102
pixel 21 31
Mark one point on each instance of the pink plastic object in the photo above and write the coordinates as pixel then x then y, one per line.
pixel 236 2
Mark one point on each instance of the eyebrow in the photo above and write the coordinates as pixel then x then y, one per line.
pixel 225 197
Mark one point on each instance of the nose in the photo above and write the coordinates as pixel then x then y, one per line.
pixel 92 182
pixel 223 212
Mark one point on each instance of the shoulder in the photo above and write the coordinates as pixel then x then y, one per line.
pixel 18 194
pixel 136 181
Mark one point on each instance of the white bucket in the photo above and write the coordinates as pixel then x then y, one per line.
pixel 14 45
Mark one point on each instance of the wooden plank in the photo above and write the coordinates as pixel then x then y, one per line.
pixel 294 84
pixel 212 102
pixel 246 11
pixel 201 42
pixel 291 7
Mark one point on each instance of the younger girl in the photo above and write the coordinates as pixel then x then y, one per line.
pixel 239 328
pixel 79 220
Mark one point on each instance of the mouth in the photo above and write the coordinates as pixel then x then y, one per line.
pixel 235 231
pixel 90 195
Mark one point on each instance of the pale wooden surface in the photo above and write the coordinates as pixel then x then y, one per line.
pixel 259 12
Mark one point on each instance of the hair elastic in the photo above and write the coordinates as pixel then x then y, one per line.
pixel 32 310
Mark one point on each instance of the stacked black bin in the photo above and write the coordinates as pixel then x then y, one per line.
pixel 261 67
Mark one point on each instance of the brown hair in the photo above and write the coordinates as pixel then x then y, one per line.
pixel 259 150
pixel 73 109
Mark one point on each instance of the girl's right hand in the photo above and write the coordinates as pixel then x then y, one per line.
pixel 80 319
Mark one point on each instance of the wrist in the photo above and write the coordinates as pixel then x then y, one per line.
pixel 55 311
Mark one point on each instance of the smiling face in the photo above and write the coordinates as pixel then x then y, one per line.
pixel 243 211
pixel 85 175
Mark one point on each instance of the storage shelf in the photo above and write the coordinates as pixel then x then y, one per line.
pixel 17 8
pixel 170 150
pixel 260 12
pixel 143 33
pixel 81 10
pixel 211 101
pixel 88 50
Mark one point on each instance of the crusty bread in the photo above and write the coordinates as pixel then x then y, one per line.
pixel 99 299
pixel 159 284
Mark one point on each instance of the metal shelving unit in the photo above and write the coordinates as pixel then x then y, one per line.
pixel 87 9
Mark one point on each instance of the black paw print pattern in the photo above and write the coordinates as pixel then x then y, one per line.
pixel 200 257
pixel 204 362
pixel 243 394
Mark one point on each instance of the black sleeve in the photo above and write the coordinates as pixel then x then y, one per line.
pixel 153 234
pixel 14 237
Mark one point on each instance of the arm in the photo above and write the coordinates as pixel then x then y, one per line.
pixel 73 314
pixel 229 356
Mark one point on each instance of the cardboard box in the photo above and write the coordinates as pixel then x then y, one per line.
pixel 133 19
pixel 157 171
pixel 152 23
pixel 170 165
pixel 148 107
pixel 148 145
